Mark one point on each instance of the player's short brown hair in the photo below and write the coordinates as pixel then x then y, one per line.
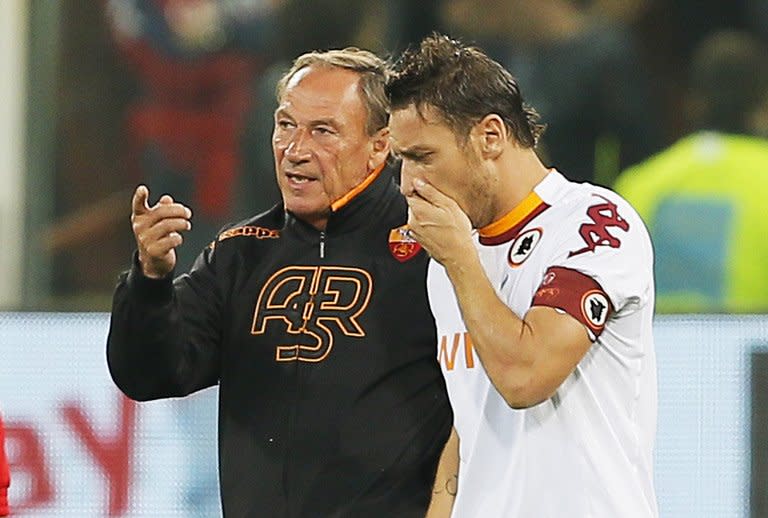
pixel 464 85
pixel 373 75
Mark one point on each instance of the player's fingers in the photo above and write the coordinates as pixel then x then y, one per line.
pixel 413 211
pixel 430 193
pixel 165 199
pixel 415 216
pixel 417 206
pixel 139 203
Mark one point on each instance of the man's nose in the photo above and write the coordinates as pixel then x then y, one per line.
pixel 298 148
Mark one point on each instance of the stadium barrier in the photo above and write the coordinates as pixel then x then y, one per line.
pixel 77 447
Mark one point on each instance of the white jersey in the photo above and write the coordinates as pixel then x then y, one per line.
pixel 587 452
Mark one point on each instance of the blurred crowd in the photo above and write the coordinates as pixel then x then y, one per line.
pixel 664 100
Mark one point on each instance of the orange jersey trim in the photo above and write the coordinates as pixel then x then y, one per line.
pixel 512 222
pixel 357 190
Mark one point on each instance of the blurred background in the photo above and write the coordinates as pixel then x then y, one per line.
pixel 664 100
pixel 101 95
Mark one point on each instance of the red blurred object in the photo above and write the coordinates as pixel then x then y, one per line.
pixel 5 474
pixel 193 111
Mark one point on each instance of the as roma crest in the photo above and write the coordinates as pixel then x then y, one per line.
pixel 522 246
pixel 402 245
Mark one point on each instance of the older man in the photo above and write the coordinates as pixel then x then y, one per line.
pixel 312 317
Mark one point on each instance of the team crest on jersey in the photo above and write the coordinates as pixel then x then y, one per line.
pixel 402 245
pixel 522 246
pixel 594 307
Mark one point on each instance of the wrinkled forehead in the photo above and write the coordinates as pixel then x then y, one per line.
pixel 323 92
pixel 326 81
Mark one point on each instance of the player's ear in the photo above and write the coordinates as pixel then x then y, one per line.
pixel 379 148
pixel 491 135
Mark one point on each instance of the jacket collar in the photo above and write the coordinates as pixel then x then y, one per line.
pixel 359 207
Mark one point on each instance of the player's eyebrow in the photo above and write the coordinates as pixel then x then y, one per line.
pixel 413 151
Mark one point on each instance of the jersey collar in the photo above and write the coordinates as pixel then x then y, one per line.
pixel 509 226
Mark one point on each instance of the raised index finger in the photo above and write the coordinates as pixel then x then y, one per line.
pixel 139 202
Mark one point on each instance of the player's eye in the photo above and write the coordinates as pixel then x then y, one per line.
pixel 423 158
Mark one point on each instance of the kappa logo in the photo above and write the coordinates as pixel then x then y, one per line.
pixel 247 230
pixel 402 245
pixel 594 234
pixel 522 246
pixel 594 307
pixel 310 304
pixel 252 231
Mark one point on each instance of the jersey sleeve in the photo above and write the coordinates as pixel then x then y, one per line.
pixel 603 264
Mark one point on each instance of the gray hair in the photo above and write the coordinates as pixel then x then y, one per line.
pixel 373 72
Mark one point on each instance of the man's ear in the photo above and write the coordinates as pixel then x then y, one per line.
pixel 379 148
pixel 491 136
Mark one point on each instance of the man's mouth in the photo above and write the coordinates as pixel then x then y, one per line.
pixel 298 178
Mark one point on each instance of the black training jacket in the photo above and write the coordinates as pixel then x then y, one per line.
pixel 332 403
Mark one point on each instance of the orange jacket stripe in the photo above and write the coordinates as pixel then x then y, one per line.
pixel 357 190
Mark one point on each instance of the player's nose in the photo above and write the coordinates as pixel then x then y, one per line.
pixel 406 179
